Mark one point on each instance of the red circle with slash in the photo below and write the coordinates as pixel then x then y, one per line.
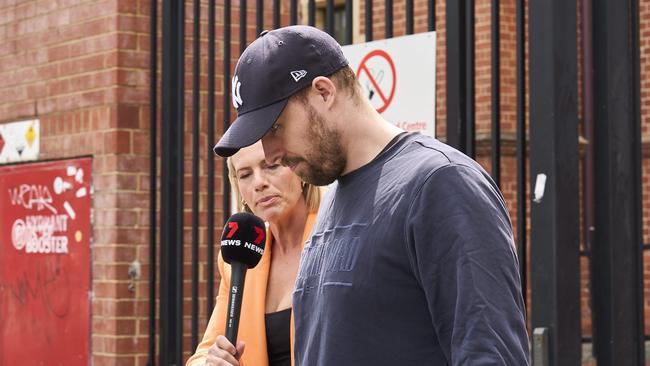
pixel 363 68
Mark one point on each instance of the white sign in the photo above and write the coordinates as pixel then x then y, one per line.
pixel 398 75
pixel 19 141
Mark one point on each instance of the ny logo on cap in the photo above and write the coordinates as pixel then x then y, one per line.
pixel 298 74
pixel 236 96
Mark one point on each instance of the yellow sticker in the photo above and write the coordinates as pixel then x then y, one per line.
pixel 30 135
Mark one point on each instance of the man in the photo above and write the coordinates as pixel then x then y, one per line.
pixel 412 258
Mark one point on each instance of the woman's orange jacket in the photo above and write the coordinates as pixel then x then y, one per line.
pixel 251 325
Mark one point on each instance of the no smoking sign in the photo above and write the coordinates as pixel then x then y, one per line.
pixel 376 73
pixel 398 76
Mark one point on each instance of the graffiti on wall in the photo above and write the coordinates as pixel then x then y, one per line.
pixel 45 227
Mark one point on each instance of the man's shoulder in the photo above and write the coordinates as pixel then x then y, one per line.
pixel 423 153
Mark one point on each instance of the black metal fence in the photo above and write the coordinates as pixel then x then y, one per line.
pixel 612 161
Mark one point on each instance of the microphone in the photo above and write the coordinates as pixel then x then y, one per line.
pixel 242 246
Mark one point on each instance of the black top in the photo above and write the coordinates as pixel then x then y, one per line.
pixel 278 342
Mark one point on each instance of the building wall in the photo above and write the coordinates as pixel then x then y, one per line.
pixel 82 68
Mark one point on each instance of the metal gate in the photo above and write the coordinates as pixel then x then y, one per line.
pixel 546 145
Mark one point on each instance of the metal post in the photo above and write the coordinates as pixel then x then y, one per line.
pixel 617 247
pixel 329 17
pixel 196 115
pixel 554 177
pixel 586 18
pixel 226 102
pixel 388 10
pixel 470 115
pixel 431 15
pixel 259 16
pixel 496 96
pixel 521 148
pixel 243 10
pixel 368 20
pixel 311 9
pixel 293 12
pixel 172 175
pixel 348 22
pixel 456 86
pixel 409 16
pixel 153 174
pixel 276 14
pixel 210 157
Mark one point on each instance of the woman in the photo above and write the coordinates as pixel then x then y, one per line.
pixel 288 205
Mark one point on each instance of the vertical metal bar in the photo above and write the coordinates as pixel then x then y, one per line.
pixel 496 96
pixel 431 15
pixel 554 176
pixel 368 20
pixel 456 86
pixel 617 247
pixel 153 174
pixel 388 9
pixel 172 174
pixel 311 8
pixel 522 231
pixel 588 131
pixel 196 115
pixel 276 14
pixel 469 79
pixel 293 13
pixel 259 16
pixel 180 178
pixel 348 22
pixel 588 119
pixel 242 25
pixel 329 17
pixel 409 16
pixel 226 101
pixel 637 177
pixel 210 157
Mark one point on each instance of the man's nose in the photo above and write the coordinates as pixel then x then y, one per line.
pixel 272 147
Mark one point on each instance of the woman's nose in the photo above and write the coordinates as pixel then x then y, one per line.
pixel 259 181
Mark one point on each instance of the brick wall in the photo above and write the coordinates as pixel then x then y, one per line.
pixel 82 68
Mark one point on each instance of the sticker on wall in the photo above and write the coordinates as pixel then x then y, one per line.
pixel 19 141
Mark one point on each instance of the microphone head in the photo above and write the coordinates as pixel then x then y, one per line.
pixel 243 239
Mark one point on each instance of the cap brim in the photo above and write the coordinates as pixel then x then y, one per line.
pixel 248 128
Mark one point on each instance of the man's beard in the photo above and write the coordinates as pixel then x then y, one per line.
pixel 325 161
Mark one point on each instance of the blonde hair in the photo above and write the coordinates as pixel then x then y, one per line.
pixel 311 193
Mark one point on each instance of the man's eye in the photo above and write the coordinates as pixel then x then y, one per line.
pixel 273 166
pixel 275 128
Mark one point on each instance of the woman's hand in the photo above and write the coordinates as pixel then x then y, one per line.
pixel 223 353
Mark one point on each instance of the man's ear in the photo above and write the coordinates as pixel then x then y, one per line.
pixel 325 89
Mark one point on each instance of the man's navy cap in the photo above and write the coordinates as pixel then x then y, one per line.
pixel 275 66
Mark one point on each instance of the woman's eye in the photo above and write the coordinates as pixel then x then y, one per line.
pixel 243 176
pixel 273 166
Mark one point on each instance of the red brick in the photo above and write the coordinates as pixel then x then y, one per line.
pixel 113 360
pixel 113 253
